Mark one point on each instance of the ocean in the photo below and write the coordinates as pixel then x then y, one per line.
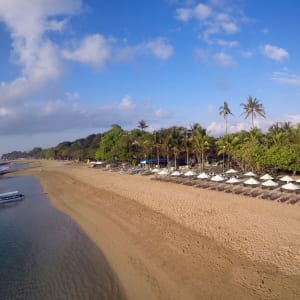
pixel 44 254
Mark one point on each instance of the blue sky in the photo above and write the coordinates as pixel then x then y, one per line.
pixel 70 68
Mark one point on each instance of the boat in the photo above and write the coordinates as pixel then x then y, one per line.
pixel 11 197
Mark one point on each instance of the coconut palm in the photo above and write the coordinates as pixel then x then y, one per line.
pixel 225 111
pixel 253 108
pixel 201 144
pixel 142 125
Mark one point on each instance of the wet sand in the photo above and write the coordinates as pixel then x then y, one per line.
pixel 170 241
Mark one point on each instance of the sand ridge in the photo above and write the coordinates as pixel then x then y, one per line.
pixel 168 241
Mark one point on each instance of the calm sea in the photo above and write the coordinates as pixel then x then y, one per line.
pixel 45 255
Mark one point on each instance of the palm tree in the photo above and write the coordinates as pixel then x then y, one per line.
pixel 253 108
pixel 201 144
pixel 225 111
pixel 142 125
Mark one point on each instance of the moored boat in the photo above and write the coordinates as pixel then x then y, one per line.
pixel 11 197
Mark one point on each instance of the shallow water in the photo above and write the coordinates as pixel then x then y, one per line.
pixel 44 254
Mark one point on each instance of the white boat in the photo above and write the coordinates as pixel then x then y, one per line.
pixel 11 197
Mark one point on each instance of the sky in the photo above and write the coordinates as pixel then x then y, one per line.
pixel 71 68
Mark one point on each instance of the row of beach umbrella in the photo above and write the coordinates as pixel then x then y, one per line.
pixel 267 179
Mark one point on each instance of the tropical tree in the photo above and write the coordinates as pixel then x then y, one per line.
pixel 225 111
pixel 228 145
pixel 142 125
pixel 253 107
pixel 109 146
pixel 200 144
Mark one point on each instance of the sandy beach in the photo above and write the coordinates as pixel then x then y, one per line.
pixel 170 241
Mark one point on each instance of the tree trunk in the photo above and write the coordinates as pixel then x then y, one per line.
pixel 187 156
pixel 157 156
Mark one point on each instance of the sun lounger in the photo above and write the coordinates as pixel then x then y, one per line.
pixel 228 189
pixel 274 196
pixel 238 191
pixel 294 199
pixel 283 198
pixel 255 193
pixel 204 185
pixel 265 195
pixel 247 192
pixel 221 188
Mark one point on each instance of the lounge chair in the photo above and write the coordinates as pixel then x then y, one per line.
pixel 265 195
pixel 214 187
pixel 247 192
pixel 228 189
pixel 274 196
pixel 205 185
pixel 238 191
pixel 255 193
pixel 221 188
pixel 294 199
pixel 284 198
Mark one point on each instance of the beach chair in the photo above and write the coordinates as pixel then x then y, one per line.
pixel 255 193
pixel 294 199
pixel 213 187
pixel 238 191
pixel 228 189
pixel 274 196
pixel 221 188
pixel 265 195
pixel 283 198
pixel 247 192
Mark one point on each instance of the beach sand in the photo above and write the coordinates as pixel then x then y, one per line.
pixel 170 241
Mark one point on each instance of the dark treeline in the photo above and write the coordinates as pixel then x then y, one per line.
pixel 276 150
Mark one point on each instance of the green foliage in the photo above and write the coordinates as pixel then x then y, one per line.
pixel 110 145
pixel 277 150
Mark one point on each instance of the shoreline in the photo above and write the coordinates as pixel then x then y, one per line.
pixel 167 241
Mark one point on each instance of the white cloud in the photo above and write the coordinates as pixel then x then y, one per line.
pixel 126 103
pixel 27 23
pixel 223 60
pixel 247 54
pixel 93 49
pixel 159 48
pixel 219 59
pixel 229 27
pixel 275 53
pixel 67 113
pixel 286 78
pixel 218 128
pixel 213 18
pixel 184 14
pixel 229 44
pixel 202 11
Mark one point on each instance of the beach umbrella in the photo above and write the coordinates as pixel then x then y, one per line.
pixel 233 180
pixel 190 173
pixel 203 175
pixel 218 178
pixel 251 181
pixel 286 178
pixel 270 183
pixel 176 173
pixel 266 177
pixel 250 174
pixel 231 171
pixel 290 187
pixel 163 172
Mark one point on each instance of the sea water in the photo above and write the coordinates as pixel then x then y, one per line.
pixel 44 254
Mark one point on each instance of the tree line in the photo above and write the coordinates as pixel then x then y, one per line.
pixel 276 150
